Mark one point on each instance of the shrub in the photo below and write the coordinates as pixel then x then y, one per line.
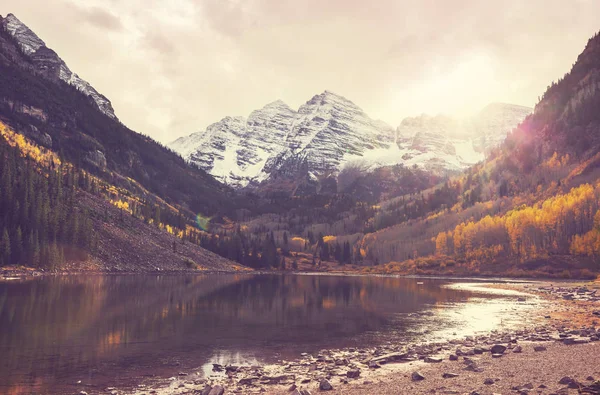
pixel 190 263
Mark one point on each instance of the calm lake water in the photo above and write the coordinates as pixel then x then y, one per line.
pixel 120 330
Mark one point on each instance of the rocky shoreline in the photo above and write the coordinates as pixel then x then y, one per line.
pixel 565 329
pixel 17 273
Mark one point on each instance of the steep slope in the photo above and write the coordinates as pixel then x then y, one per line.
pixel 56 217
pixel 47 63
pixel 236 149
pixel 64 115
pixel 329 132
pixel 328 127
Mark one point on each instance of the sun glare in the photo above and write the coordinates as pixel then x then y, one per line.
pixel 459 89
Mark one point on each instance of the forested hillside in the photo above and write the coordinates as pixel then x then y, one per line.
pixel 41 225
pixel 531 207
pixel 55 216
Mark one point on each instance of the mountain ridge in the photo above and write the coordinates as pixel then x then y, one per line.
pixel 48 63
pixel 329 131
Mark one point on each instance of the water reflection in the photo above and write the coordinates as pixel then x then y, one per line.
pixel 106 330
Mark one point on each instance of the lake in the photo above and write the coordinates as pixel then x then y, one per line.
pixel 121 330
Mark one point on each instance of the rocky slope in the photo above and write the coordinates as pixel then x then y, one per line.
pixel 329 131
pixel 47 63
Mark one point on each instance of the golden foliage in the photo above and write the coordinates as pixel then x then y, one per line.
pixel 530 232
pixel 28 148
pixel 329 239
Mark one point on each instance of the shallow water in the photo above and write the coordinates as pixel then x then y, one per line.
pixel 118 330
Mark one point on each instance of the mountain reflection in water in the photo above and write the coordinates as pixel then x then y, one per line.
pixel 113 330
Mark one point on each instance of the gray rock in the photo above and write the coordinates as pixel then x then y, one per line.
pixel 453 357
pixel 96 158
pixel 217 390
pixel 539 348
pixel 248 380
pixel 352 374
pixel 416 376
pixel 206 390
pixel 38 136
pixel 565 380
pixel 523 388
pixel 449 375
pixel 341 361
pixel 325 385
pixel 517 349
pixel 488 381
pixel 474 368
pixel 373 365
pixel 498 349
pixel 576 340
pixel 392 357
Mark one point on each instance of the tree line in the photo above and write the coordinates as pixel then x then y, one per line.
pixel 40 223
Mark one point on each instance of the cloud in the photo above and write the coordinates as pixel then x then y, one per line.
pixel 173 67
pixel 99 18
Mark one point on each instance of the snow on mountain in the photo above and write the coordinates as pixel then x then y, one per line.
pixel 329 127
pixel 491 125
pixel 235 149
pixel 49 63
pixel 443 142
pixel 325 129
pixel 329 131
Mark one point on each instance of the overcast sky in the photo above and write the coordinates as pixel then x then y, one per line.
pixel 172 67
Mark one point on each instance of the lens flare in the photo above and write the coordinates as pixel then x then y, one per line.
pixel 202 222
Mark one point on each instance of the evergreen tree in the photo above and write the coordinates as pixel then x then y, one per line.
pixel 5 251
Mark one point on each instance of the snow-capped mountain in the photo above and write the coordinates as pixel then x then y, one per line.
pixel 318 136
pixel 493 118
pixel 329 131
pixel 443 142
pixel 48 63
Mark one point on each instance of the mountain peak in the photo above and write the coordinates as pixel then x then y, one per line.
pixel 329 94
pixel 276 104
pixel 330 98
pixel 27 40
pixel 48 63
